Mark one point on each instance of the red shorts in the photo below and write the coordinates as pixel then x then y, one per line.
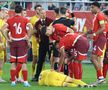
pixel 18 51
pixel 99 45
pixel 80 49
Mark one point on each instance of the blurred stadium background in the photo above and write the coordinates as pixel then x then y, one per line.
pixel 76 5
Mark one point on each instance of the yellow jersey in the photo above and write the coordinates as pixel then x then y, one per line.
pixel 51 78
pixel 2 41
pixel 34 19
pixel 35 45
pixel 2 22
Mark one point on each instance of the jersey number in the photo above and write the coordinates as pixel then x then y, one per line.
pixel 18 28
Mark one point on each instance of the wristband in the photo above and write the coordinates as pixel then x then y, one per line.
pixel 94 34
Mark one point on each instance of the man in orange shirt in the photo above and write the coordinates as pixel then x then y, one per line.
pixel 99 40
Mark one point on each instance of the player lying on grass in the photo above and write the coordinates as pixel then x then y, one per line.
pixel 53 78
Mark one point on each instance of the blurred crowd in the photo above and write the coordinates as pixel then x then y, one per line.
pixel 77 5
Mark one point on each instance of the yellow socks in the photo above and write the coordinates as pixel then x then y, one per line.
pixel 78 82
pixel 72 85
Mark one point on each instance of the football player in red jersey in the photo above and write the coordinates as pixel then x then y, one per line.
pixel 18 39
pixel 57 32
pixel 105 61
pixel 79 44
pixel 19 65
pixel 99 40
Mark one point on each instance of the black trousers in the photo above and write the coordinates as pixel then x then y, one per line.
pixel 43 49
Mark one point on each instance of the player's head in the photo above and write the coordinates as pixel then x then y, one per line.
pixel 24 13
pixel 63 10
pixel 42 14
pixel 106 14
pixel 49 30
pixel 95 6
pixel 38 8
pixel 4 12
pixel 18 9
pixel 57 11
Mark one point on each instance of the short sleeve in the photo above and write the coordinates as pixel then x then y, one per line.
pixel 101 18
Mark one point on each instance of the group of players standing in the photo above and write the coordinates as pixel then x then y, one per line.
pixel 59 38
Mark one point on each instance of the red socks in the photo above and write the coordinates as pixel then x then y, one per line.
pixel 25 74
pixel 80 70
pixel 105 69
pixel 77 70
pixel 18 68
pixel 99 73
pixel 13 74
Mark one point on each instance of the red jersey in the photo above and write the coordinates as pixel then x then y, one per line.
pixel 17 27
pixel 98 20
pixel 69 40
pixel 106 27
pixel 59 31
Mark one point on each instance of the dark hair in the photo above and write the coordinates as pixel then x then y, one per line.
pixel 37 6
pixel 24 9
pixel 96 4
pixel 63 10
pixel 68 4
pixel 57 10
pixel 105 12
pixel 18 9
pixel 72 15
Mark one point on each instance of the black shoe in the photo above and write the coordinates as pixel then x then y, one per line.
pixel 34 79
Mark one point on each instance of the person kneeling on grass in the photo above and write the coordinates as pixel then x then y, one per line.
pixel 53 78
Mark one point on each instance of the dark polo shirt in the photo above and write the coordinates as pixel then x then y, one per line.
pixel 40 27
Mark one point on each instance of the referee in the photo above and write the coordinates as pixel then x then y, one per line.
pixel 43 40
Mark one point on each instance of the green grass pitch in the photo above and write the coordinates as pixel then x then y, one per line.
pixel 89 76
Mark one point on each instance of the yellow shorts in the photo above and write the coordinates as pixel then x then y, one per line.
pixel 2 55
pixel 35 46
